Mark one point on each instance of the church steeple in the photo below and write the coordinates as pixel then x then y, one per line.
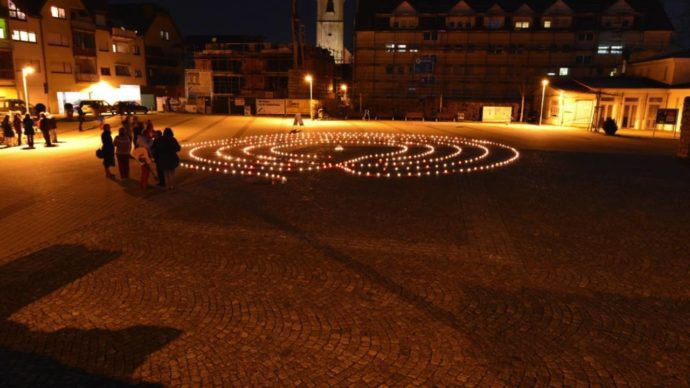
pixel 330 27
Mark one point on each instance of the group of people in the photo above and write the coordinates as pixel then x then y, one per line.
pixel 155 151
pixel 14 129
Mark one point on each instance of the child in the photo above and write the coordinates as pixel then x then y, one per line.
pixel 141 154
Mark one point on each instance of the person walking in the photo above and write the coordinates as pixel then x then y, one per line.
pixel 10 139
pixel 155 152
pixel 143 156
pixel 123 147
pixel 108 151
pixel 29 130
pixel 44 126
pixel 17 123
pixel 167 153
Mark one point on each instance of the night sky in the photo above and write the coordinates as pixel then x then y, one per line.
pixel 271 18
pixel 268 18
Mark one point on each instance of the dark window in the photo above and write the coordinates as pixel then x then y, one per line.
pixel 227 65
pixel 122 71
pixel 329 7
pixel 227 85
pixel 105 71
pixel 431 35
pixel 6 65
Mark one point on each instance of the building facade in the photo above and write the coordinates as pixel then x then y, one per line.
pixel 440 55
pixel 634 99
pixel 234 71
pixel 164 45
pixel 67 51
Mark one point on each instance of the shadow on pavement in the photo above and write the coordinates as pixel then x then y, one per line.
pixel 67 357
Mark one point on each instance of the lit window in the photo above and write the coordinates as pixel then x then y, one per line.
pixel 2 33
pixel 616 49
pixel 563 71
pixel 57 12
pixel 24 36
pixel 390 47
pixel 114 48
pixel 603 49
pixel 551 74
pixel 521 25
pixel 547 24
pixel 15 13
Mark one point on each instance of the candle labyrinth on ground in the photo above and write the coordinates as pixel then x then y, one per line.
pixel 368 154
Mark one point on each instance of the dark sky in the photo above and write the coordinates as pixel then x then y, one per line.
pixel 268 18
pixel 271 18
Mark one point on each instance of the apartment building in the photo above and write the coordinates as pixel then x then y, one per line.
pixel 164 45
pixel 244 69
pixel 67 50
pixel 443 54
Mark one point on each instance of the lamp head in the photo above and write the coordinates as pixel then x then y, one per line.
pixel 544 82
pixel 309 78
pixel 28 70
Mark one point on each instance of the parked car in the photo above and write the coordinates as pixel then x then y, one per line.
pixel 95 107
pixel 12 106
pixel 129 107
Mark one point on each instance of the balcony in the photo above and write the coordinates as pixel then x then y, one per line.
pixel 84 51
pixel 86 77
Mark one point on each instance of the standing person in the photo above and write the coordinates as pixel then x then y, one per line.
pixel 108 150
pixel 168 149
pixel 52 124
pixel 123 146
pixel 297 122
pixel 10 140
pixel 138 129
pixel 155 151
pixel 149 132
pixel 127 124
pixel 29 130
pixel 17 123
pixel 141 154
pixel 81 116
pixel 44 126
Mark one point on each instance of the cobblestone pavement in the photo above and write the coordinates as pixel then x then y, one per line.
pixel 569 268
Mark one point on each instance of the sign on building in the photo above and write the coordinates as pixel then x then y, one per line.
pixel 497 114
pixel 667 116
pixel 199 83
pixel 265 106
pixel 293 106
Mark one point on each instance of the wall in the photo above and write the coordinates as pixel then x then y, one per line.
pixel 684 147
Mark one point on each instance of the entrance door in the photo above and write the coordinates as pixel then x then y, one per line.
pixel 605 111
pixel 629 116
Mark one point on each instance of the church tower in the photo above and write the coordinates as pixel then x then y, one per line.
pixel 330 27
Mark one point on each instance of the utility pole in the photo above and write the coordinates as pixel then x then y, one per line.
pixel 297 53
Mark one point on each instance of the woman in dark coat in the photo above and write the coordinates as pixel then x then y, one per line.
pixel 108 151
pixel 17 123
pixel 29 130
pixel 44 126
pixel 167 150
pixel 8 132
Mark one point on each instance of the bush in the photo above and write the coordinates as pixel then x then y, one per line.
pixel 610 127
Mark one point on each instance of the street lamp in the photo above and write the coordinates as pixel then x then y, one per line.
pixel 25 72
pixel 310 79
pixel 544 83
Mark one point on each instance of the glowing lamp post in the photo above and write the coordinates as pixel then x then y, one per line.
pixel 25 72
pixel 310 79
pixel 544 83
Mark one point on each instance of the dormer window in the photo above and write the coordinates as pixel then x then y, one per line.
pixel 494 22
pixel 547 24
pixel 15 13
pixel 522 25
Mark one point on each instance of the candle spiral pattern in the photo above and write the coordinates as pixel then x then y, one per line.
pixel 362 154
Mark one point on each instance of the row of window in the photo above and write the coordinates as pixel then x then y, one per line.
pixel 499 48
pixel 519 23
pixel 434 36
pixel 458 70
pixel 57 39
